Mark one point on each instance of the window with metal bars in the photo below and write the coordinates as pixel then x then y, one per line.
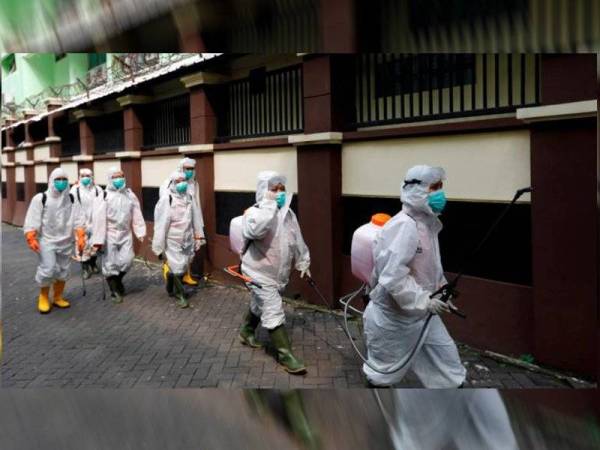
pixel 108 132
pixel 265 103
pixel 19 135
pixel 409 88
pixel 167 122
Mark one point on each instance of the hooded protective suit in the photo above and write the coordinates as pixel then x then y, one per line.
pixel 115 214
pixel 86 197
pixel 273 240
pixel 407 270
pixel 194 192
pixel 54 224
pixel 174 225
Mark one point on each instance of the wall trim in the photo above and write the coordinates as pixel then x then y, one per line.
pixel 562 111
pixel 327 137
pixel 128 154
pixel 52 139
pixel 53 159
pixel 436 129
pixel 83 158
pixel 197 148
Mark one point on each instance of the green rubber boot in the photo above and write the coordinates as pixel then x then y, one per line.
pixel 248 330
pixel 285 357
pixel 115 293
pixel 299 423
pixel 179 292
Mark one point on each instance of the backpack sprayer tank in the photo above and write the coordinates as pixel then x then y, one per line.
pixel 363 242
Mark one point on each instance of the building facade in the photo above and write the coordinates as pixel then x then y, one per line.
pixel 344 128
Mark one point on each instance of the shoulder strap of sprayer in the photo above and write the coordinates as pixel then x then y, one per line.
pixel 78 195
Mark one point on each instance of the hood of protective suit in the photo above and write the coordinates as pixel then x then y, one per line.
pixel 187 162
pixel 266 180
pixel 57 173
pixel 86 173
pixel 415 194
pixel 173 180
pixel 109 175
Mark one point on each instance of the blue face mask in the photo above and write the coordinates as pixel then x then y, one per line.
pixel 118 183
pixel 60 185
pixel 181 187
pixel 86 181
pixel 280 199
pixel 437 201
pixel 189 174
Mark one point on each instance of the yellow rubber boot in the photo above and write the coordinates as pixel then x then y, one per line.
pixel 59 287
pixel 43 300
pixel 165 268
pixel 187 278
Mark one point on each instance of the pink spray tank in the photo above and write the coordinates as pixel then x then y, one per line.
pixel 236 239
pixel 363 242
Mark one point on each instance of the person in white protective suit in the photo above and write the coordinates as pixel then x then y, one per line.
pixel 52 224
pixel 458 419
pixel 407 270
pixel 175 227
pixel 116 213
pixel 188 167
pixel 273 241
pixel 85 192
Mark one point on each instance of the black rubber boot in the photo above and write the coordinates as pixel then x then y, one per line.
pixel 120 286
pixel 114 289
pixel 248 330
pixel 285 357
pixel 94 264
pixel 169 284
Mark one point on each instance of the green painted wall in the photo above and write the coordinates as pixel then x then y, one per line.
pixel 36 71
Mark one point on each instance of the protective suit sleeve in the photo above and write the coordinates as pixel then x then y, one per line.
pixel 197 220
pixel 259 220
pixel 394 274
pixel 138 222
pixel 301 253
pixel 33 218
pixel 78 215
pixel 198 212
pixel 164 188
pixel 162 219
pixel 99 222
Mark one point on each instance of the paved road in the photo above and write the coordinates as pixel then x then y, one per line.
pixel 149 342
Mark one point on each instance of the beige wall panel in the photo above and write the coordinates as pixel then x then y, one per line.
pixel 479 166
pixel 71 169
pixel 41 152
pixel 20 175
pixel 156 170
pixel 41 173
pixel 237 170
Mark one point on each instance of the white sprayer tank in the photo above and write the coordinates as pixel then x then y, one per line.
pixel 363 242
pixel 236 239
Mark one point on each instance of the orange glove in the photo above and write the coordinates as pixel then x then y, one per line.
pixel 80 233
pixel 31 237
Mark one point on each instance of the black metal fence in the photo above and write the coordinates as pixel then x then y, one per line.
pixel 414 87
pixel 108 132
pixel 265 103
pixel 167 122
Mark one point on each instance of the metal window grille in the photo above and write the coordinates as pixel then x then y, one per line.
pixel 69 135
pixel 409 88
pixel 265 103
pixel 167 122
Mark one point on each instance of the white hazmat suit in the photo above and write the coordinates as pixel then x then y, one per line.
pixel 451 419
pixel 115 214
pixel 407 270
pixel 273 240
pixel 86 197
pixel 175 223
pixel 54 225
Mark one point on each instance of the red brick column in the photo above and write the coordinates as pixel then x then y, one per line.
pixel 327 91
pixel 337 26
pixel 565 253
pixel 133 131
pixel 86 137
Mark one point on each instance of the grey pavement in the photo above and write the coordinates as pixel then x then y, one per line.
pixel 149 342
